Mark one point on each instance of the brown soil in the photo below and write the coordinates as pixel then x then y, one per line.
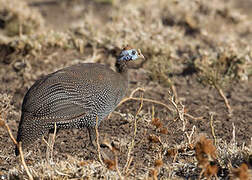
pixel 199 101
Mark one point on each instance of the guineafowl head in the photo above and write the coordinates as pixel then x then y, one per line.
pixel 127 54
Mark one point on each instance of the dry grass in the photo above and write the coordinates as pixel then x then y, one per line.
pixel 177 36
pixel 19 19
pixel 205 153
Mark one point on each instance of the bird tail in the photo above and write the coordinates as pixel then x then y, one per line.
pixel 16 150
pixel 29 131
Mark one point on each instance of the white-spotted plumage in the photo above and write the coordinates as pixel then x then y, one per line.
pixel 73 97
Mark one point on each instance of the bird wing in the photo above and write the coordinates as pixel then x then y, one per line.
pixel 58 97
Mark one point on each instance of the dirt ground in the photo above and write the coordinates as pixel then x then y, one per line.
pixel 20 68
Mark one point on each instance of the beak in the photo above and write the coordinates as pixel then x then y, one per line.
pixel 140 55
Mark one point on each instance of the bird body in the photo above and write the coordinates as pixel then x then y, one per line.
pixel 73 97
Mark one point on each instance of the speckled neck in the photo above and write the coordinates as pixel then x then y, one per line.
pixel 121 67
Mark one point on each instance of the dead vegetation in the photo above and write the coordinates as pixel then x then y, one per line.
pixel 17 19
pixel 207 44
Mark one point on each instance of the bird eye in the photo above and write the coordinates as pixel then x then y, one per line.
pixel 127 58
pixel 133 52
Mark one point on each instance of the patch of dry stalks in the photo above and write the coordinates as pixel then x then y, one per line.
pixel 17 19
pixel 172 36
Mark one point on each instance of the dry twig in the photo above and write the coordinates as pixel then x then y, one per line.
pixel 230 111
pixel 47 144
pixel 135 90
pixel 10 134
pixel 2 119
pixel 126 167
pixel 233 133
pixel 23 161
pixel 189 137
pixel 147 100
pixel 116 158
pixel 175 156
pixel 212 128
pixel 117 168
pixel 17 144
pixel 97 141
pixel 180 113
pixel 50 144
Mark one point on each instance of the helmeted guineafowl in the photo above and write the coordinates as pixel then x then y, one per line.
pixel 74 97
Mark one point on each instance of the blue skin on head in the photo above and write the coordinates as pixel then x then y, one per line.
pixel 128 55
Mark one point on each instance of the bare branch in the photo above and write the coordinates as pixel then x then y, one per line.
pixel 97 141
pixel 126 167
pixel 23 161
